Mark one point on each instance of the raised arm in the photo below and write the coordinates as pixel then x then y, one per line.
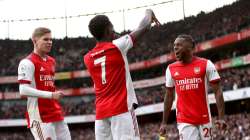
pixel 145 24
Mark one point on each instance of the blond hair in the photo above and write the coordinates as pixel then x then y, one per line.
pixel 40 31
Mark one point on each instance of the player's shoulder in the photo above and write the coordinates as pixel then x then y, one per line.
pixel 123 40
pixel 99 49
pixel 89 56
pixel 86 56
pixel 25 62
pixel 33 57
pixel 26 59
pixel 174 64
pixel 203 62
pixel 201 59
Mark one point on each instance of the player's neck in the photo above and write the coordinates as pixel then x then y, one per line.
pixel 105 40
pixel 41 54
pixel 187 60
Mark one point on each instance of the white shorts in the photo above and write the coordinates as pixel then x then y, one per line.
pixel 120 127
pixel 195 132
pixel 50 131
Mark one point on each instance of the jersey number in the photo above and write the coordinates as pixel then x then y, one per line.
pixel 207 132
pixel 102 62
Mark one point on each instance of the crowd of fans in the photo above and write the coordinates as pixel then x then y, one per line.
pixel 69 51
pixel 238 128
pixel 12 110
pixel 78 105
pixel 234 51
pixel 236 78
pixel 232 79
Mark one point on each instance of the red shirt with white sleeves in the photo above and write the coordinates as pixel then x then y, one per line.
pixel 39 73
pixel 191 83
pixel 108 67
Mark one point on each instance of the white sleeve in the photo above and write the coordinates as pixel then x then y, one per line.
pixel 124 43
pixel 27 90
pixel 169 79
pixel 211 72
pixel 26 71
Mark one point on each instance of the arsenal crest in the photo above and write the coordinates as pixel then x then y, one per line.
pixel 197 70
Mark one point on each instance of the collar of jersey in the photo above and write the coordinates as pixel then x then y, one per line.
pixel 39 57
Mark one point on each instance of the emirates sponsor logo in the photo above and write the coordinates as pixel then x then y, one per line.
pixel 188 83
pixel 48 80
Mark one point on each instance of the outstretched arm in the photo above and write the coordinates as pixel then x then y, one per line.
pixel 145 24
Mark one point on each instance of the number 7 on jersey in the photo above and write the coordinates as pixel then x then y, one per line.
pixel 101 61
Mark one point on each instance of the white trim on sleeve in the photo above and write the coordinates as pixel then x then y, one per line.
pixel 169 79
pixel 26 70
pixel 211 72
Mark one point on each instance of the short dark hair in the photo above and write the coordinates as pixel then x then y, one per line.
pixel 187 38
pixel 98 25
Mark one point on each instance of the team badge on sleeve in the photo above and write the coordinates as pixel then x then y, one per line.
pixel 22 70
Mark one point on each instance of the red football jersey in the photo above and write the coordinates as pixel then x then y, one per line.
pixel 191 83
pixel 39 73
pixel 108 67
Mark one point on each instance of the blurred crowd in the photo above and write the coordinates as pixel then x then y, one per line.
pixel 238 128
pixel 235 78
pixel 69 51
pixel 231 79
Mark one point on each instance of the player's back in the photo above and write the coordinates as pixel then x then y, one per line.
pixel 107 69
pixel 107 65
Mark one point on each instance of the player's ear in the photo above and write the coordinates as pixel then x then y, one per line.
pixel 108 33
pixel 33 40
pixel 105 33
pixel 189 46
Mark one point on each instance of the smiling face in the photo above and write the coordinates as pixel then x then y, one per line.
pixel 43 44
pixel 182 49
pixel 42 41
